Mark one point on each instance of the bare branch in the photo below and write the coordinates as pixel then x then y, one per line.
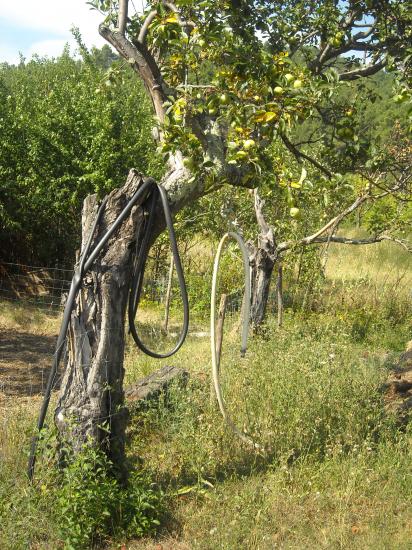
pixel 363 71
pixel 332 224
pixel 143 63
pixel 300 155
pixel 145 27
pixel 364 34
pixel 349 240
pixel 259 203
pixel 266 238
pixel 405 244
pixel 122 16
pixel 302 41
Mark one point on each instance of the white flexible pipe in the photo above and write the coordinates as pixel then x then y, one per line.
pixel 245 329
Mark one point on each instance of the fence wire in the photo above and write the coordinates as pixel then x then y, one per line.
pixel 27 345
pixel 43 287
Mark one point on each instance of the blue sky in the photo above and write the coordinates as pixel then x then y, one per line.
pixel 43 27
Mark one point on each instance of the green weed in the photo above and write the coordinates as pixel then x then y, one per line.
pixel 94 505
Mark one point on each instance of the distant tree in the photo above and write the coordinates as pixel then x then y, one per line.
pixel 103 57
pixel 68 128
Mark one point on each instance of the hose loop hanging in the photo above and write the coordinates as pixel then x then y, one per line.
pixel 138 274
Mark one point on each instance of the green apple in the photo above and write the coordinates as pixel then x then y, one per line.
pixel 248 144
pixel 337 39
pixel 289 77
pixel 294 212
pixel 224 99
pixel 241 155
pixel 278 90
pixel 212 111
pixel 297 84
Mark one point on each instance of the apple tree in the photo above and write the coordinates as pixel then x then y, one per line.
pixel 227 80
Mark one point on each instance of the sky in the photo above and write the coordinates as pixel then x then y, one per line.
pixel 43 27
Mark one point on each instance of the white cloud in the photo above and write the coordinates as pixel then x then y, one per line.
pixel 49 48
pixel 55 16
pixel 8 54
pixel 52 21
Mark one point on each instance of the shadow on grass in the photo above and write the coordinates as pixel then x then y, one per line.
pixel 25 361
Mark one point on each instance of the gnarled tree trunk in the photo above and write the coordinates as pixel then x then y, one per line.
pixel 262 269
pixel 91 401
pixel 90 406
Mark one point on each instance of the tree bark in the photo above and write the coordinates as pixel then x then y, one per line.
pixel 91 408
pixel 262 269
pixel 262 259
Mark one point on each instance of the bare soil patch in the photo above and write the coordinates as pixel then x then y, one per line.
pixel 25 361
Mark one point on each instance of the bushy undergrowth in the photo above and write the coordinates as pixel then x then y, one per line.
pixel 94 505
pixel 79 507
pixel 296 394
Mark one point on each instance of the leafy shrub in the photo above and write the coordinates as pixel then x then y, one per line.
pixel 93 504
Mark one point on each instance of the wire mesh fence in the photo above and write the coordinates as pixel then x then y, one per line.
pixel 43 287
pixel 36 295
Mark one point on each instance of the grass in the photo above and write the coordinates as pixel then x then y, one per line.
pixel 20 316
pixel 335 470
pixel 335 473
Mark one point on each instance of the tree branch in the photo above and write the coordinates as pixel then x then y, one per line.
pixel 145 27
pixel 302 41
pixel 143 63
pixel 333 223
pixel 299 154
pixel 122 16
pixel 264 227
pixel 363 71
pixel 349 240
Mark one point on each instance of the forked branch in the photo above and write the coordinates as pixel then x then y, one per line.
pixel 298 154
pixel 143 63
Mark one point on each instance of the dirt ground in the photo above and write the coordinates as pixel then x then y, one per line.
pixel 25 361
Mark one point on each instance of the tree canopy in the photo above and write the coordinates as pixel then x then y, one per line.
pixel 305 99
pixel 69 127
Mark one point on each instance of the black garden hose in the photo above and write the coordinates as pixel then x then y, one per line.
pixel 149 187
pixel 138 274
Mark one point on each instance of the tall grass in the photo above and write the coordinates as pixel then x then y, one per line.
pixel 332 469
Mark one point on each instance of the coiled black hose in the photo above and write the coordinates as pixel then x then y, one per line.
pixel 154 190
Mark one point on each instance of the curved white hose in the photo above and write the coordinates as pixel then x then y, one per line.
pixel 245 329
